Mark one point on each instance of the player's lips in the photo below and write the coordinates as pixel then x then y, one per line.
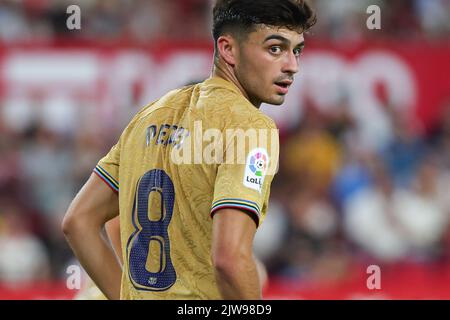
pixel 283 86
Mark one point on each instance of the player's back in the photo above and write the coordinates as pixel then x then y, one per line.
pixel 167 187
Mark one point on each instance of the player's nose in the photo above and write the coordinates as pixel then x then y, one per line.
pixel 291 64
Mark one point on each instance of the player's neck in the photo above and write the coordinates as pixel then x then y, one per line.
pixel 226 72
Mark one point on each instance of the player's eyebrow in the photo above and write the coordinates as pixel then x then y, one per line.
pixel 301 45
pixel 284 40
pixel 277 37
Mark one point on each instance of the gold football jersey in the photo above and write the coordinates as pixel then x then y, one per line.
pixel 196 150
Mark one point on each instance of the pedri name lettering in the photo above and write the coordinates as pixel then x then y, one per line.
pixel 166 134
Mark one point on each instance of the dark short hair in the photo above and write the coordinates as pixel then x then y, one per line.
pixel 241 16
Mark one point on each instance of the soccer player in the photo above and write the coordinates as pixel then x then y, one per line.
pixel 187 217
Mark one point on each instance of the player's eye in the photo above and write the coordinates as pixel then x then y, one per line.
pixel 275 49
pixel 298 52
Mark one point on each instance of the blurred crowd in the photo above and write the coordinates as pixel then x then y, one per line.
pixel 337 203
pixel 333 202
pixel 40 172
pixel 147 20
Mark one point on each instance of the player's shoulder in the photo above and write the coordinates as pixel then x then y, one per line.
pixel 173 100
pixel 231 107
pixel 159 110
pixel 243 113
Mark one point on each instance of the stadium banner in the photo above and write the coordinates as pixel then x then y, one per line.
pixel 402 281
pixel 112 82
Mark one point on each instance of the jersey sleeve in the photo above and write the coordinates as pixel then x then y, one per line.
pixel 244 184
pixel 107 168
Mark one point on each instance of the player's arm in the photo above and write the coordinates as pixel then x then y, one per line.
pixel 93 206
pixel 232 255
pixel 112 228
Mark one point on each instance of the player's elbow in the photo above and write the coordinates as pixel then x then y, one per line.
pixel 74 223
pixel 228 262
pixel 69 224
pixel 224 269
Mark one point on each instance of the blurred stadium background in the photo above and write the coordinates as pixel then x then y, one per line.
pixel 364 175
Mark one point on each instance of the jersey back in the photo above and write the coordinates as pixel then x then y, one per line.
pixel 182 158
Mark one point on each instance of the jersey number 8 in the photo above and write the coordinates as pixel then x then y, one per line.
pixel 155 191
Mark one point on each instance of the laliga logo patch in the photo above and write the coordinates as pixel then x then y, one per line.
pixel 255 169
pixel 258 164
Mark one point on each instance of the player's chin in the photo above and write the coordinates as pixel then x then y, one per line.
pixel 276 99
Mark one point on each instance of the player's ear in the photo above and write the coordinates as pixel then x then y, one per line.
pixel 227 45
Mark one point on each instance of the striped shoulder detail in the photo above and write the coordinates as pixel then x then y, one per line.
pixel 249 207
pixel 107 178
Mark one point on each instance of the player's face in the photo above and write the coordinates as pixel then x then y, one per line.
pixel 268 59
